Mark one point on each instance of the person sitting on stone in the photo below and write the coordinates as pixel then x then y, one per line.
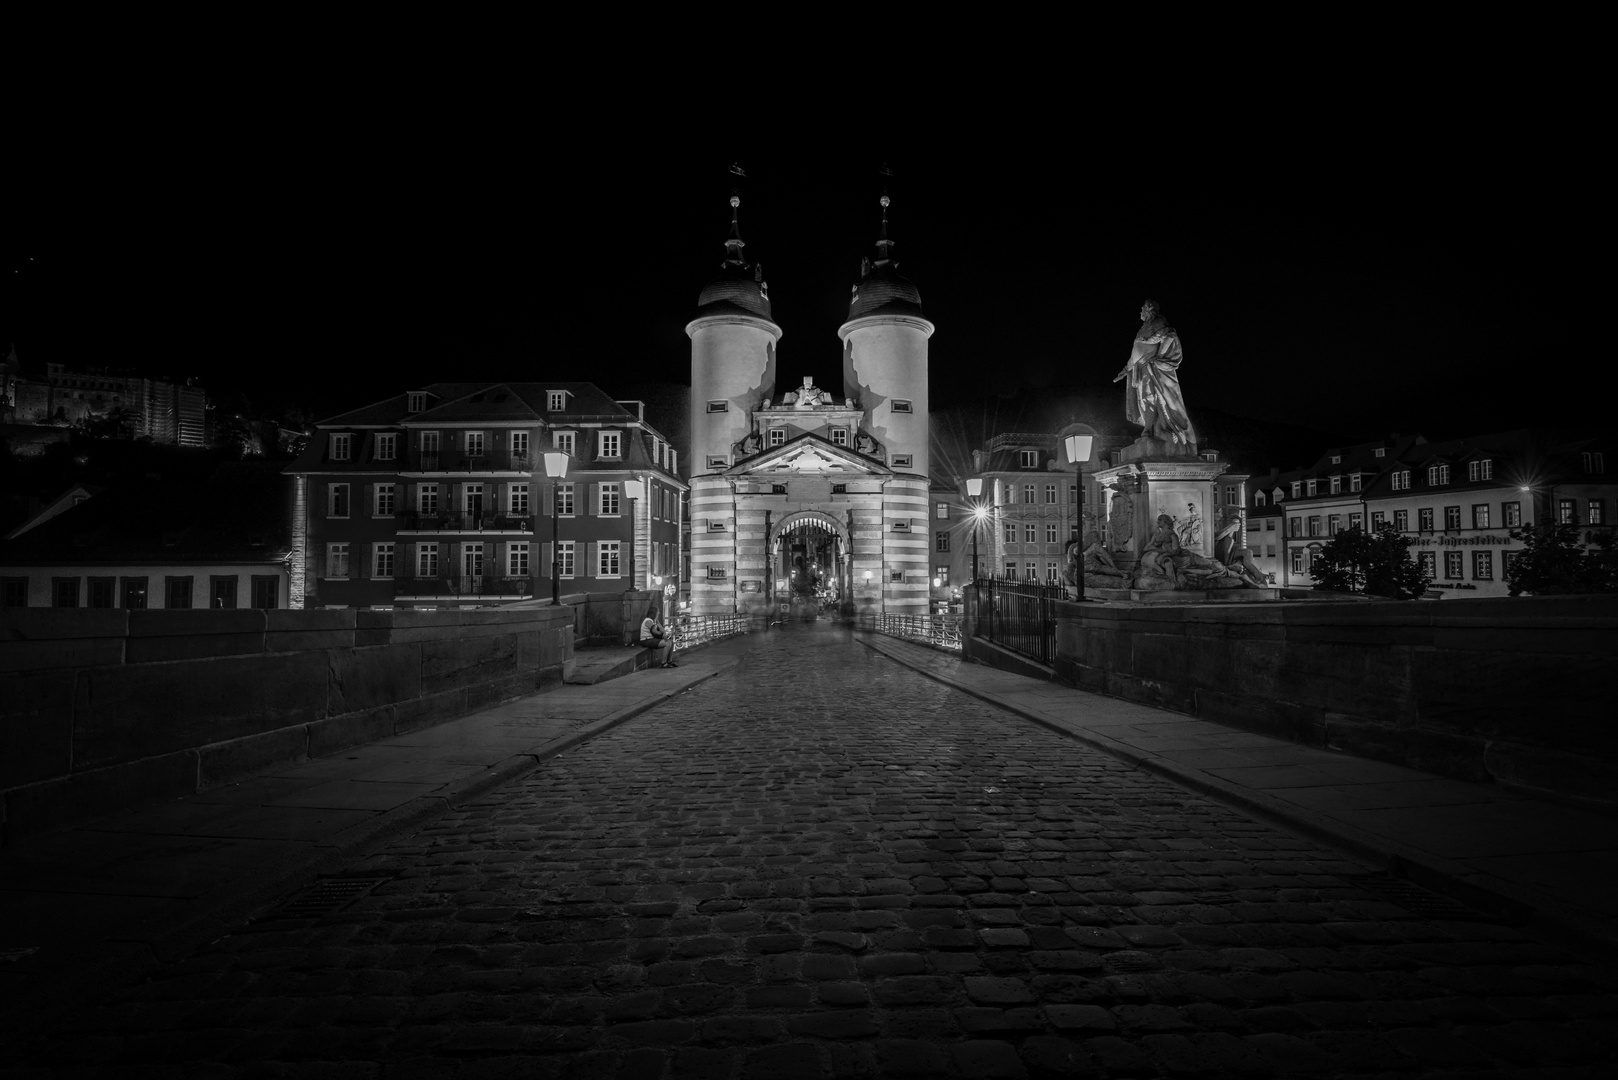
pixel 653 636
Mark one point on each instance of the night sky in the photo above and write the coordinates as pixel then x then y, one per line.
pixel 1361 268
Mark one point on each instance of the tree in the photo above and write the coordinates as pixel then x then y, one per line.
pixel 1556 560
pixel 1378 564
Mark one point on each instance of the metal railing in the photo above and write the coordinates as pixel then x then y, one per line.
pixel 693 630
pixel 466 585
pixel 464 521
pixel 1019 615
pixel 939 631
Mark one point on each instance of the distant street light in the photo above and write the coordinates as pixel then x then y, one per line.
pixel 974 489
pixel 1078 452
pixel 556 469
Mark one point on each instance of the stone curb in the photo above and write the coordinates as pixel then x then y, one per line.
pixel 1568 928
pixel 86 975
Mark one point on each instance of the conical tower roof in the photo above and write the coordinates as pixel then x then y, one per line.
pixel 881 290
pixel 740 289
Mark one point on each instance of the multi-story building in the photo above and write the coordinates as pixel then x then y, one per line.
pixel 164 412
pixel 440 497
pixel 215 540
pixel 1331 496
pixel 1267 523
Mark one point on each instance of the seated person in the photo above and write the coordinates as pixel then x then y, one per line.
pixel 653 636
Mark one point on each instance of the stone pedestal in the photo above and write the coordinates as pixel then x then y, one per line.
pixel 1152 478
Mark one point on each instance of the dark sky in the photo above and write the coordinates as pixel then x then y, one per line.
pixel 1329 257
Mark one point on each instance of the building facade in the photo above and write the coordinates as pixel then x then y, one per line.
pixel 809 495
pixel 155 409
pixel 439 497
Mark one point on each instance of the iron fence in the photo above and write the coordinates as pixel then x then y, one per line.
pixel 1019 615
pixel 939 631
pixel 693 630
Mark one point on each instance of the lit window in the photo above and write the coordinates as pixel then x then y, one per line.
pixel 1480 516
pixel 1401 520
pixel 1511 515
pixel 517 560
pixel 1454 561
pixel 1401 480
pixel 1452 518
pixel 563 441
pixel 1029 459
pixel 608 506
pixel 555 400
pixel 941 510
pixel 942 574
pixel 608 444
pixel 1598 512
pixel 387 446
pixel 607 559
pixel 342 447
pixel 337 501
pixel 1483 565
pixel 382 560
pixel 1429 563
pixel 1437 475
pixel 1567 512
pixel 1480 470
pixel 1424 519
pixel 337 560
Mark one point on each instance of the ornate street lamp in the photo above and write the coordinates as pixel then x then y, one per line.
pixel 1078 452
pixel 633 489
pixel 974 488
pixel 556 469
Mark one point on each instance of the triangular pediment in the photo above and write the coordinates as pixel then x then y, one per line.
pixel 809 453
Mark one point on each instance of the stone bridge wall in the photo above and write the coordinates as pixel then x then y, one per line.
pixel 1514 690
pixel 101 710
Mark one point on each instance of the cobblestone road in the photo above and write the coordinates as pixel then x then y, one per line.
pixel 822 864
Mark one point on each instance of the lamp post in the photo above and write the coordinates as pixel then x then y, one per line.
pixel 1078 452
pixel 556 469
pixel 974 489
pixel 633 489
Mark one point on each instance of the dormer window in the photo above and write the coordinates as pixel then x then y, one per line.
pixel 416 401
pixel 1480 470
pixel 1381 451
pixel 387 444
pixel 1353 481
pixel 1437 475
pixel 1028 459
pixel 778 436
pixel 563 441
pixel 839 436
pixel 1297 488
pixel 342 447
pixel 1337 459
pixel 609 444
pixel 902 406
pixel 1593 461
pixel 1337 485
pixel 1401 480
pixel 555 400
pixel 1311 485
pixel 1258 498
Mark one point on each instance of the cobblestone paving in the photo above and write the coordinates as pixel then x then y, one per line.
pixel 821 864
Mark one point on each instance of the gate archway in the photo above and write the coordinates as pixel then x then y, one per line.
pixel 809 557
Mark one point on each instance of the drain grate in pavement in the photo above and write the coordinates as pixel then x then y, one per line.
pixel 322 898
pixel 1420 902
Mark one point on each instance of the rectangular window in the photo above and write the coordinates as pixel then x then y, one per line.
pixel 1297 561
pixel 381 560
pixel 1011 569
pixel 426 560
pixel 1567 512
pixel 1353 481
pixel 1028 494
pixel 1337 485
pixel 1511 515
pixel 942 574
pixel 519 447
pixel 609 444
pixel 1593 461
pixel 564 559
pixel 134 592
pixel 429 444
pixel 266 591
pixel 337 500
pixel 222 591
pixel 1312 484
pixel 1295 526
pixel 1355 521
pixel 1378 519
pixel 517 498
pixel 607 559
pixel 1480 515
pixel 384 500
pixel 387 446
pixel 65 592
pixel 563 441
pixel 1437 475
pixel 1334 522
pixel 896 576
pixel 474 444
pixel 1428 561
pixel 102 591
pixel 901 526
pixel 718 461
pixel 342 447
pixel 1401 520
pixel 609 501
pixel 839 436
pixel 1381 451
pixel 718 406
pixel 555 400
pixel 1483 565
pixel 1453 563
pixel 427 498
pixel 1401 480
pixel 517 560
pixel 1050 494
pixel 1506 559
pixel 1452 518
pixel 1480 470
pixel 1598 512
pixel 564 500
pixel 901 461
pixel 778 436
pixel 1030 570
pixel 177 592
pixel 337 560
pixel 1424 519
pixel 1314 524
pixel 902 406
pixel 1050 532
pixel 1030 533
pixel 716 573
pixel 13 592
pixel 415 402
pixel 941 510
pixel 941 541
pixel 1072 494
pixel 1297 488
pixel 1011 532
pixel 1028 459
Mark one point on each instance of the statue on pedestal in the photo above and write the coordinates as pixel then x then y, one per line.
pixel 1230 551
pixel 1089 554
pixel 1153 398
pixel 1164 564
pixel 1122 520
